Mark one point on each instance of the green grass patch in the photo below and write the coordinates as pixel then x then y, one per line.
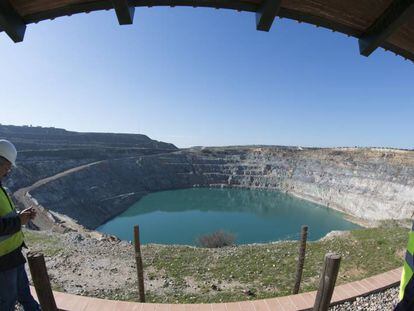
pixel 245 272
pixel 48 244
pixel 269 270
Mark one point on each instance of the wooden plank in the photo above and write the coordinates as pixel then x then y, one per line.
pixel 41 281
pixel 140 266
pixel 266 14
pixel 301 259
pixel 327 282
pixel 124 12
pixel 399 12
pixel 11 22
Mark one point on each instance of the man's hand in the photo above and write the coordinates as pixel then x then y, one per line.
pixel 26 215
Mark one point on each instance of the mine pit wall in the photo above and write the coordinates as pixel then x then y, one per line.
pixel 98 193
pixel 372 184
pixel 39 164
pixel 44 152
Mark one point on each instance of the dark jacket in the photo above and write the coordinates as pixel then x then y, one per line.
pixel 9 226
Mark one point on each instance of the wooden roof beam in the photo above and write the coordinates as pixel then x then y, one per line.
pixel 266 14
pixel 124 12
pixel 394 16
pixel 11 22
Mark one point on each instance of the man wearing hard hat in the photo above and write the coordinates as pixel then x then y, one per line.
pixel 14 285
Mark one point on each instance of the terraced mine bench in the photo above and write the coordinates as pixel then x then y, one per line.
pixel 304 301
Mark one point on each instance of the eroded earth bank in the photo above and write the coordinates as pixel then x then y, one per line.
pixel 368 184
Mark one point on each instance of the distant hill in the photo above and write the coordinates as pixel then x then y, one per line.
pixel 45 151
pixel 41 138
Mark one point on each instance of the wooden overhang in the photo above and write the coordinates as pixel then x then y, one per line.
pixel 375 23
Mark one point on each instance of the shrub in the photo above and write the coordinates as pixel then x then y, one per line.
pixel 216 239
pixel 204 150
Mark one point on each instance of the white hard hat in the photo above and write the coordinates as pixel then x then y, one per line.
pixel 8 151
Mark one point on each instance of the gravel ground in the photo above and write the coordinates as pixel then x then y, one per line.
pixel 383 301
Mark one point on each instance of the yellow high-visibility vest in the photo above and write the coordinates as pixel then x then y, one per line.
pixel 408 268
pixel 9 242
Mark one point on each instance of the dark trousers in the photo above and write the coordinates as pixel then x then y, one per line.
pixel 407 304
pixel 14 287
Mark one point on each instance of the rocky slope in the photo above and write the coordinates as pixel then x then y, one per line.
pixel 92 177
pixel 44 152
pixel 47 154
pixel 370 184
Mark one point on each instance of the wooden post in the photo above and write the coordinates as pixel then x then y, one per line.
pixel 41 281
pixel 327 282
pixel 301 259
pixel 140 269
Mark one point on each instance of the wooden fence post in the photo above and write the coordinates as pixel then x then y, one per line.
pixel 301 259
pixel 140 269
pixel 327 282
pixel 41 281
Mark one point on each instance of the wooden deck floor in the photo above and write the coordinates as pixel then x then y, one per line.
pixel 303 301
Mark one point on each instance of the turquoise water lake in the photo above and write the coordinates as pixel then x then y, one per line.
pixel 253 216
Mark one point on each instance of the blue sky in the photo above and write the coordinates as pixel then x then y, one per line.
pixel 206 77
